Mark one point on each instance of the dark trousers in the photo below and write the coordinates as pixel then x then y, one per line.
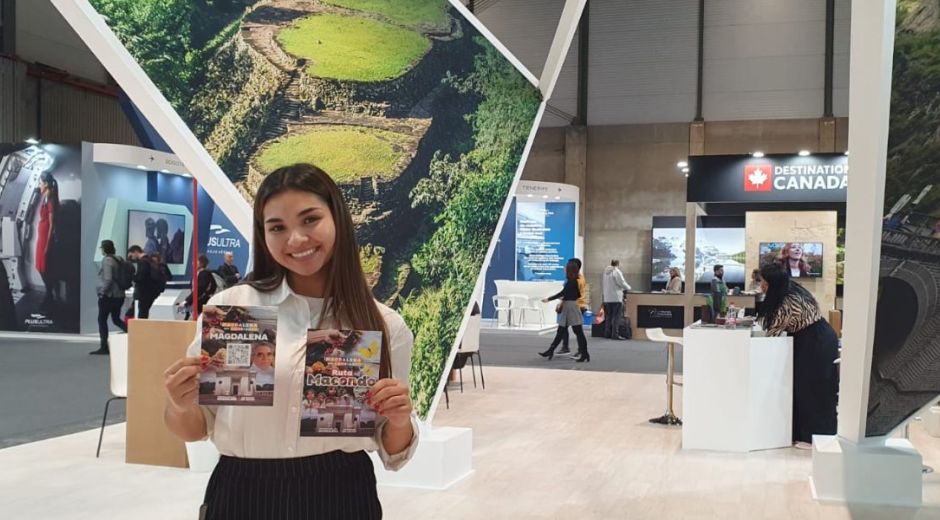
pixel 108 306
pixel 613 317
pixel 562 335
pixel 815 381
pixel 144 303
pixel 334 485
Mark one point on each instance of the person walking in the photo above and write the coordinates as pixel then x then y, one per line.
pixel 570 315
pixel 582 303
pixel 205 286
pixel 110 296
pixel 789 308
pixel 614 288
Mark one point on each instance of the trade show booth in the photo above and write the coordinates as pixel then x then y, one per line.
pixel 744 211
pixel 538 236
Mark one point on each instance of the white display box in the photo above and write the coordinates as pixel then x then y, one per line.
pixel 443 458
pixel 886 472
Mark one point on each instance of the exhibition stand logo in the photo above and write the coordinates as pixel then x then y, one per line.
pixel 758 177
pixel 803 177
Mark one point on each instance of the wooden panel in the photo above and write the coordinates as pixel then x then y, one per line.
pixel 153 345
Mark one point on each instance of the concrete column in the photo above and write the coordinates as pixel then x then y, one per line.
pixel 827 135
pixel 691 214
pixel 576 166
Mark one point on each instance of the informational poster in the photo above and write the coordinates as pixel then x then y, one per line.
pixel 545 235
pixel 40 237
pixel 414 113
pixel 905 373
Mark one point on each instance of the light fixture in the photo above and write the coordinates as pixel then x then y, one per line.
pixel 544 196
pixel 758 154
pixel 557 197
pixel 846 152
pixel 685 171
pixel 164 171
pixel 681 164
pixel 687 176
pixel 803 153
pixel 141 167
pixel 32 140
pixel 529 195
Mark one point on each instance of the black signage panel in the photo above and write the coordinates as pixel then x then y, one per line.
pixel 772 178
pixel 664 316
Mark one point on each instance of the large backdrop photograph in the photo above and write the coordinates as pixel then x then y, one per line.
pixel 905 374
pixel 417 116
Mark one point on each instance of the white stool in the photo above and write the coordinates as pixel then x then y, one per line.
pixel 503 303
pixel 670 341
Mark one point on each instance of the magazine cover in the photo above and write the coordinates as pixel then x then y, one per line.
pixel 238 346
pixel 341 366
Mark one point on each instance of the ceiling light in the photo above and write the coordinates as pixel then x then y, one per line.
pixel 687 176
pixel 803 153
pixel 681 164
pixel 557 197
pixel 758 154
pixel 846 152
pixel 32 140
pixel 529 195
pixel 544 196
pixel 685 171
pixel 141 167
pixel 164 171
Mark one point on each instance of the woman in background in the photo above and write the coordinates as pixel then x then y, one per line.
pixel 49 191
pixel 792 259
pixel 790 308
pixel 570 314
pixel 674 286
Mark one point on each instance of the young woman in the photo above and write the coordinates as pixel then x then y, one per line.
pixel 306 262
pixel 792 259
pixel 570 315
pixel 790 308
pixel 49 191
pixel 674 286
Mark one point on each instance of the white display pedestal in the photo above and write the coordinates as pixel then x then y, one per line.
pixel 884 471
pixel 737 390
pixel 443 458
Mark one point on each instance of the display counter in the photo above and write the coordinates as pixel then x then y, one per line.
pixel 670 312
pixel 737 390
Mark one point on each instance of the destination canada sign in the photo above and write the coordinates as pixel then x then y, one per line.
pixel 773 178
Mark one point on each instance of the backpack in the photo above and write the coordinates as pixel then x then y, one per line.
pixel 157 277
pixel 125 274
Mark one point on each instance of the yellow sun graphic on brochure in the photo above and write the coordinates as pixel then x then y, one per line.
pixel 370 351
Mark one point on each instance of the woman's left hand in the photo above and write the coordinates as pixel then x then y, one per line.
pixel 390 398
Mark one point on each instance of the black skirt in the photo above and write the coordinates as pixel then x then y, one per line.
pixel 332 485
pixel 815 381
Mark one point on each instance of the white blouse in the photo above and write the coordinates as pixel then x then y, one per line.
pixel 274 431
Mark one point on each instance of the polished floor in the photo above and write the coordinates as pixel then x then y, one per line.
pixel 547 444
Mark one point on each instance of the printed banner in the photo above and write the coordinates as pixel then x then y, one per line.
pixel 544 239
pixel 40 237
pixel 419 119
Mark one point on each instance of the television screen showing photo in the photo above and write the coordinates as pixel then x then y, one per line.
pixel 805 259
pixel 724 246
pixel 157 233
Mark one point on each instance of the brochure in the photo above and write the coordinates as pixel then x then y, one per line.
pixel 238 347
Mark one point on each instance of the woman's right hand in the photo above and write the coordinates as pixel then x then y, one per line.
pixel 181 381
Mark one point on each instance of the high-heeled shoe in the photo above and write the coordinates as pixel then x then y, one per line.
pixel 548 354
pixel 583 358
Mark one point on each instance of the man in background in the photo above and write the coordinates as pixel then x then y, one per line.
pixel 719 291
pixel 614 287
pixel 228 270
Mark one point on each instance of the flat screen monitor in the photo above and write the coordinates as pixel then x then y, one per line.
pixel 724 246
pixel 805 259
pixel 157 232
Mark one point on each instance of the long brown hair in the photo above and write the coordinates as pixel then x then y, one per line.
pixel 348 299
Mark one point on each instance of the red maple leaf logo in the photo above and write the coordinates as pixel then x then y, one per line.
pixel 758 177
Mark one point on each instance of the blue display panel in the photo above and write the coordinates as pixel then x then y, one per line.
pixel 545 235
